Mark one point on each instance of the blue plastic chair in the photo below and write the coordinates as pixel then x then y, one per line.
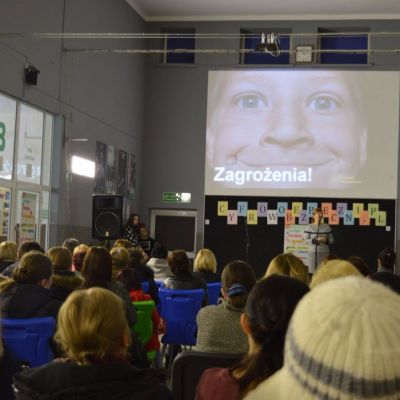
pixel 28 340
pixel 213 290
pixel 145 286
pixel 179 309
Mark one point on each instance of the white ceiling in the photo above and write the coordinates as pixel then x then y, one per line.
pixel 211 10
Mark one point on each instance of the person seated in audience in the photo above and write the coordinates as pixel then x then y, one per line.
pixel 70 244
pixel 388 279
pixel 145 241
pixel 130 278
pixel 138 259
pixel 123 243
pixel 333 269
pixel 120 260
pixel 360 264
pixel 23 249
pixel 97 272
pixel 8 254
pixel 342 344
pixel 290 265
pixel 64 280
pixel 93 332
pixel 27 294
pixel 386 260
pixel 131 229
pixel 182 278
pixel 266 317
pixel 77 258
pixel 219 326
pixel 205 266
pixel 158 262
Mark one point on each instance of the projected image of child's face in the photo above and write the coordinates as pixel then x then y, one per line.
pixel 288 123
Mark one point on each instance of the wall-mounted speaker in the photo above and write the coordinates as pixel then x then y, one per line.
pixel 107 216
pixel 31 74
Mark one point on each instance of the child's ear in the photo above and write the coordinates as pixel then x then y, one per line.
pixel 244 323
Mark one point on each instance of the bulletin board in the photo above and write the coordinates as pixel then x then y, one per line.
pixel 253 228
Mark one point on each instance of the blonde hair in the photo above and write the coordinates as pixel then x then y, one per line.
pixel 290 265
pixel 333 269
pixel 205 261
pixel 8 251
pixel 92 326
pixel 123 243
pixel 61 257
pixel 120 257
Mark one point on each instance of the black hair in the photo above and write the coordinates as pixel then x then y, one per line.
pixel 159 251
pixel 268 309
pixel 387 257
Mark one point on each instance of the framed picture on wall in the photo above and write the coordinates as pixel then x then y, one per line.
pixel 100 172
pixel 131 177
pixel 121 177
pixel 111 170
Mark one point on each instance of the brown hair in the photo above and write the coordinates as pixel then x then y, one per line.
pixel 92 326
pixel 123 243
pixel 79 255
pixel 61 258
pixel 8 251
pixel 178 262
pixel 32 268
pixel 97 267
pixel 238 272
pixel 120 257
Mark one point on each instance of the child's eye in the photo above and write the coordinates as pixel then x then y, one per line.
pixel 250 101
pixel 324 103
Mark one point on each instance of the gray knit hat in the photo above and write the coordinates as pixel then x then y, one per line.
pixel 343 343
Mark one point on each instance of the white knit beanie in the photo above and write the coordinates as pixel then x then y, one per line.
pixel 343 343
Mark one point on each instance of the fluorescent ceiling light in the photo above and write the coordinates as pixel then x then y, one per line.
pixel 82 166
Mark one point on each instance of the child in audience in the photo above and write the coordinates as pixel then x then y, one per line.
pixel 205 266
pixel 27 294
pixel 158 262
pixel 120 260
pixel 64 280
pixel 219 326
pixel 93 331
pixel 78 256
pixel 267 314
pixel 130 278
pixel 342 344
pixel 333 269
pixel 290 265
pixel 8 254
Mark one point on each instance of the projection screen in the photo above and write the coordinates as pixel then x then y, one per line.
pixel 319 133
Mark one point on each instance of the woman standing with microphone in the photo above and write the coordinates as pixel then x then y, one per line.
pixel 318 236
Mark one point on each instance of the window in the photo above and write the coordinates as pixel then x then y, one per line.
pixel 179 39
pixel 253 38
pixel 351 41
pixel 30 133
pixel 26 135
pixel 8 112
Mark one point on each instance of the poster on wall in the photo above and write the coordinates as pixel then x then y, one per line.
pixel 28 217
pixel 100 175
pixel 111 170
pixel 6 201
pixel 121 178
pixel 131 177
pixel 294 241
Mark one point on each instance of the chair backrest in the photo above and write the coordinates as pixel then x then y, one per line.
pixel 188 367
pixel 144 323
pixel 213 290
pixel 28 340
pixel 145 286
pixel 179 309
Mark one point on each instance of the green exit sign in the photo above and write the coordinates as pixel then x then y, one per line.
pixel 174 197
